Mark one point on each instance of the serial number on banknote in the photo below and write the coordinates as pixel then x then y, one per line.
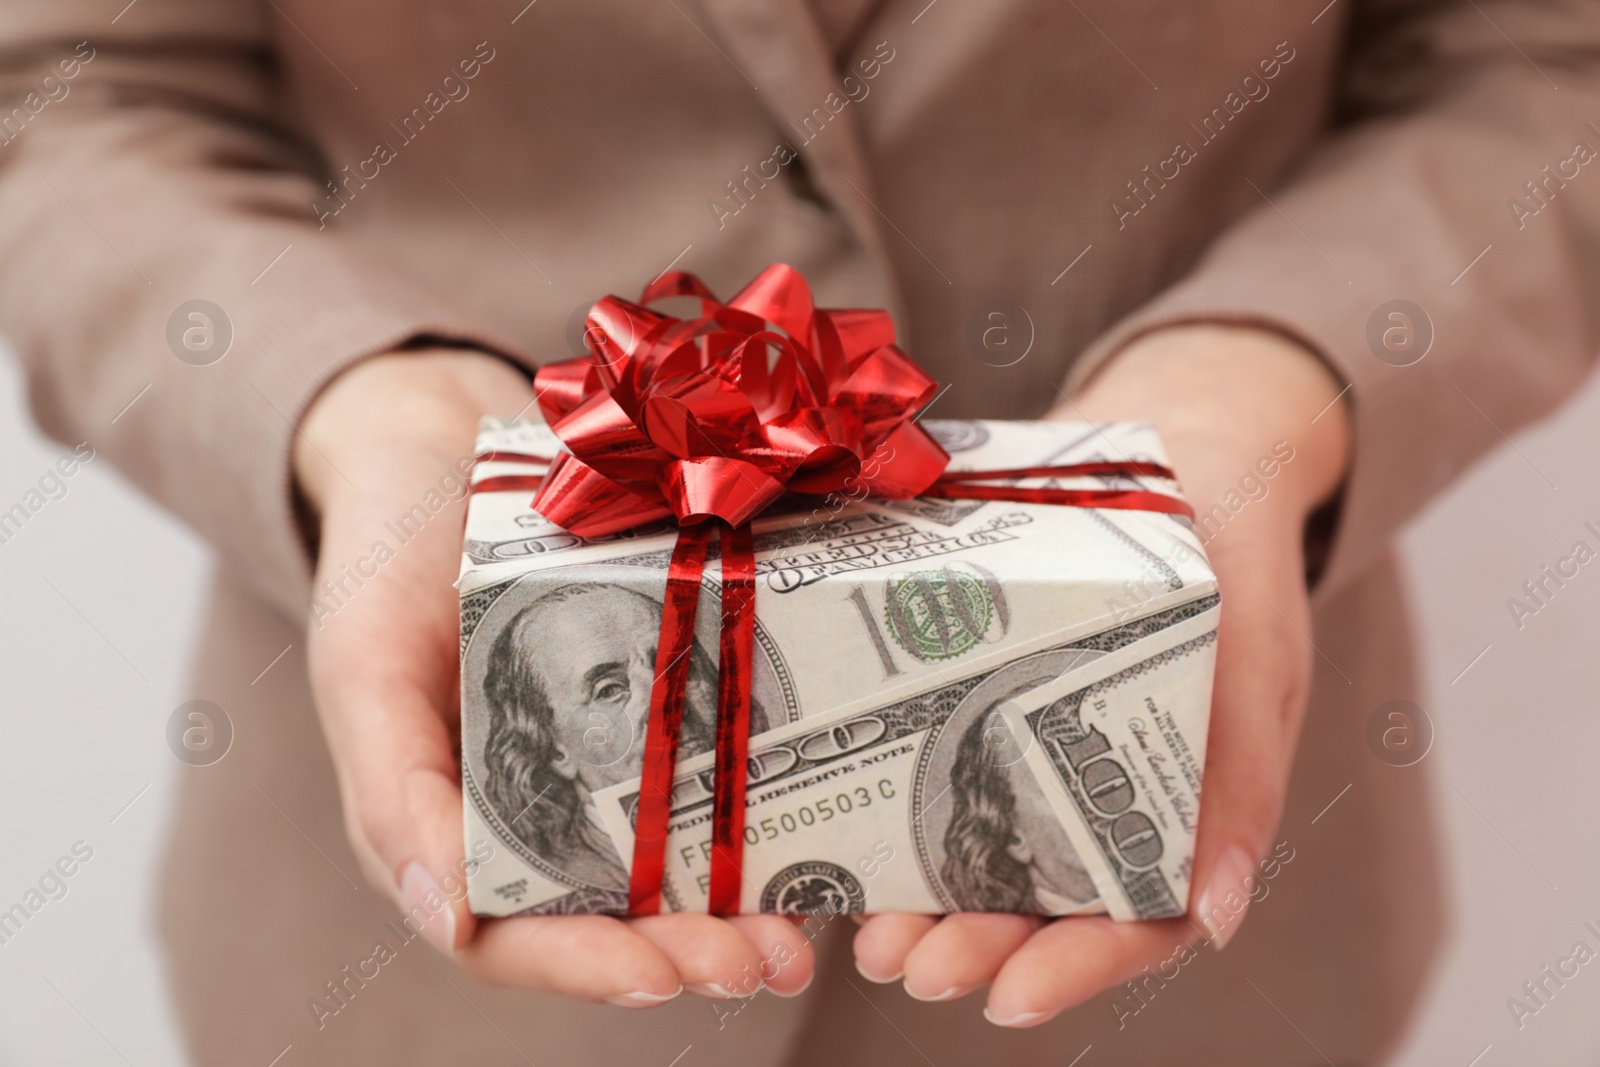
pixel 825 809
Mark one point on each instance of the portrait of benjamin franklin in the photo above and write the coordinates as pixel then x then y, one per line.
pixel 568 694
pixel 1005 849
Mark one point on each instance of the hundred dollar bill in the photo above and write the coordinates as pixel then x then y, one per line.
pixel 1120 747
pixel 860 605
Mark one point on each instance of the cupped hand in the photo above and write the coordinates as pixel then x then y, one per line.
pixel 380 460
pixel 1230 404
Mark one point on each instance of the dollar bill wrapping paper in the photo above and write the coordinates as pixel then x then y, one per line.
pixel 957 705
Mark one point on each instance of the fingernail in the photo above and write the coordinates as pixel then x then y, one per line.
pixel 717 992
pixel 642 1000
pixel 949 994
pixel 862 971
pixel 809 978
pixel 428 907
pixel 1027 1018
pixel 1226 899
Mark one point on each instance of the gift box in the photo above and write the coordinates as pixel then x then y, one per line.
pixel 991 695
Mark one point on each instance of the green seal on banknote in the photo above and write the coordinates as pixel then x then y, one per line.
pixel 940 614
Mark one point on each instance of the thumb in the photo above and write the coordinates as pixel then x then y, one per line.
pixel 432 874
pixel 1259 695
pixel 403 814
pixel 383 674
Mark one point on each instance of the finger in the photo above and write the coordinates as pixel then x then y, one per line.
pixel 398 778
pixel 594 957
pixel 787 960
pixel 884 941
pixel 711 956
pixel 1070 960
pixel 1261 677
pixel 963 952
pixel 408 838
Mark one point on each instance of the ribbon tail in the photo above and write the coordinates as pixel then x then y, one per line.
pixel 1112 499
pixel 674 650
pixel 1126 468
pixel 505 483
pixel 733 718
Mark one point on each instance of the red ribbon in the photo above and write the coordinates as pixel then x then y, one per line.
pixel 697 419
pixel 673 656
pixel 733 718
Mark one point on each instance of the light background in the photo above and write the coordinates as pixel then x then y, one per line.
pixel 100 601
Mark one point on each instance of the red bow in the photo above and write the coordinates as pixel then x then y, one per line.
pixel 696 419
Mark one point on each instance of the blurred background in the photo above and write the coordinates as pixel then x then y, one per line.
pixel 101 597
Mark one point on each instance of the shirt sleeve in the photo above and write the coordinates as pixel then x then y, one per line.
pixel 146 164
pixel 1438 249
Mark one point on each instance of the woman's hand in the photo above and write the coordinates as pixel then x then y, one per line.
pixel 1223 398
pixel 384 641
